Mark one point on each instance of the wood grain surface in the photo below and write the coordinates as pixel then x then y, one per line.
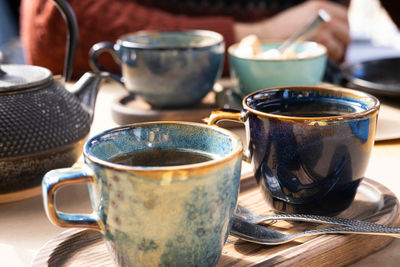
pixel 374 202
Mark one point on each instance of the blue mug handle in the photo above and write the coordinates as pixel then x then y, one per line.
pixel 100 48
pixel 57 178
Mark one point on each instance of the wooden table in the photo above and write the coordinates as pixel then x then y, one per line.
pixel 24 227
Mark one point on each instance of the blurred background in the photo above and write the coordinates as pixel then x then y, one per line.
pixel 374 34
pixel 10 45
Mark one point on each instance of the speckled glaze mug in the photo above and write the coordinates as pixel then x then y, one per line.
pixel 160 215
pixel 309 146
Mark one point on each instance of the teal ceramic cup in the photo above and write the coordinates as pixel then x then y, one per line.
pixel 252 74
pixel 156 215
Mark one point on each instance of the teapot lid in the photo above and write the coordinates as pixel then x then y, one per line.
pixel 15 77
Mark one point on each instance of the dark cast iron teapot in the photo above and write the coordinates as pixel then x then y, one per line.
pixel 42 124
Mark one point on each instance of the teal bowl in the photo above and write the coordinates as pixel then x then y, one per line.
pixel 252 74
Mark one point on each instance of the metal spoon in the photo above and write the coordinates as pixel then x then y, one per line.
pixel 321 17
pixel 245 214
pixel 263 235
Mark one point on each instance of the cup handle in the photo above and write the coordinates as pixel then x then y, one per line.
pixel 231 115
pixel 57 178
pixel 98 49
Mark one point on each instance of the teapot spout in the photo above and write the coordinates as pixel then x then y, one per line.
pixel 86 89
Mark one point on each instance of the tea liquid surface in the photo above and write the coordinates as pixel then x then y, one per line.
pixel 161 158
pixel 310 108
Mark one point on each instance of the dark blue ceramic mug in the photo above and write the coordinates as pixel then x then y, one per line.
pixel 166 69
pixel 309 146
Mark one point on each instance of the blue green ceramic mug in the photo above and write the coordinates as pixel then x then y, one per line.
pixel 150 214
pixel 167 69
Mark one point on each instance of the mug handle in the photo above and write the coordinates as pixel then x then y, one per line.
pixel 57 178
pixel 231 115
pixel 98 49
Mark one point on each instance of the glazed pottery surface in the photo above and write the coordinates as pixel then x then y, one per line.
pixel 167 69
pixel 157 216
pixel 308 163
pixel 252 74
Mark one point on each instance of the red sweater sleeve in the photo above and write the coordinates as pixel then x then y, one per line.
pixel 43 31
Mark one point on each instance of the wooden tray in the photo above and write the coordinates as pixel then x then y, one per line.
pixel 374 202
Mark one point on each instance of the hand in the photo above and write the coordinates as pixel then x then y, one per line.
pixel 335 35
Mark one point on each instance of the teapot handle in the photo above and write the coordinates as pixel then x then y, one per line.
pixel 72 36
pixel 98 49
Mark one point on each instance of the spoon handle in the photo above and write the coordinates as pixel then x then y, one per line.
pixel 386 231
pixel 321 17
pixel 244 214
pixel 263 235
pixel 320 219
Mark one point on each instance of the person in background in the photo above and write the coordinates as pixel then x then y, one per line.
pixel 43 30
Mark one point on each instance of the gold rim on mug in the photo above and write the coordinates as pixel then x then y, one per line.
pixel 367 98
pixel 156 171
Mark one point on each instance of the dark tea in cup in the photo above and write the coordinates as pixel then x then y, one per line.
pixel 308 107
pixel 309 146
pixel 162 157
